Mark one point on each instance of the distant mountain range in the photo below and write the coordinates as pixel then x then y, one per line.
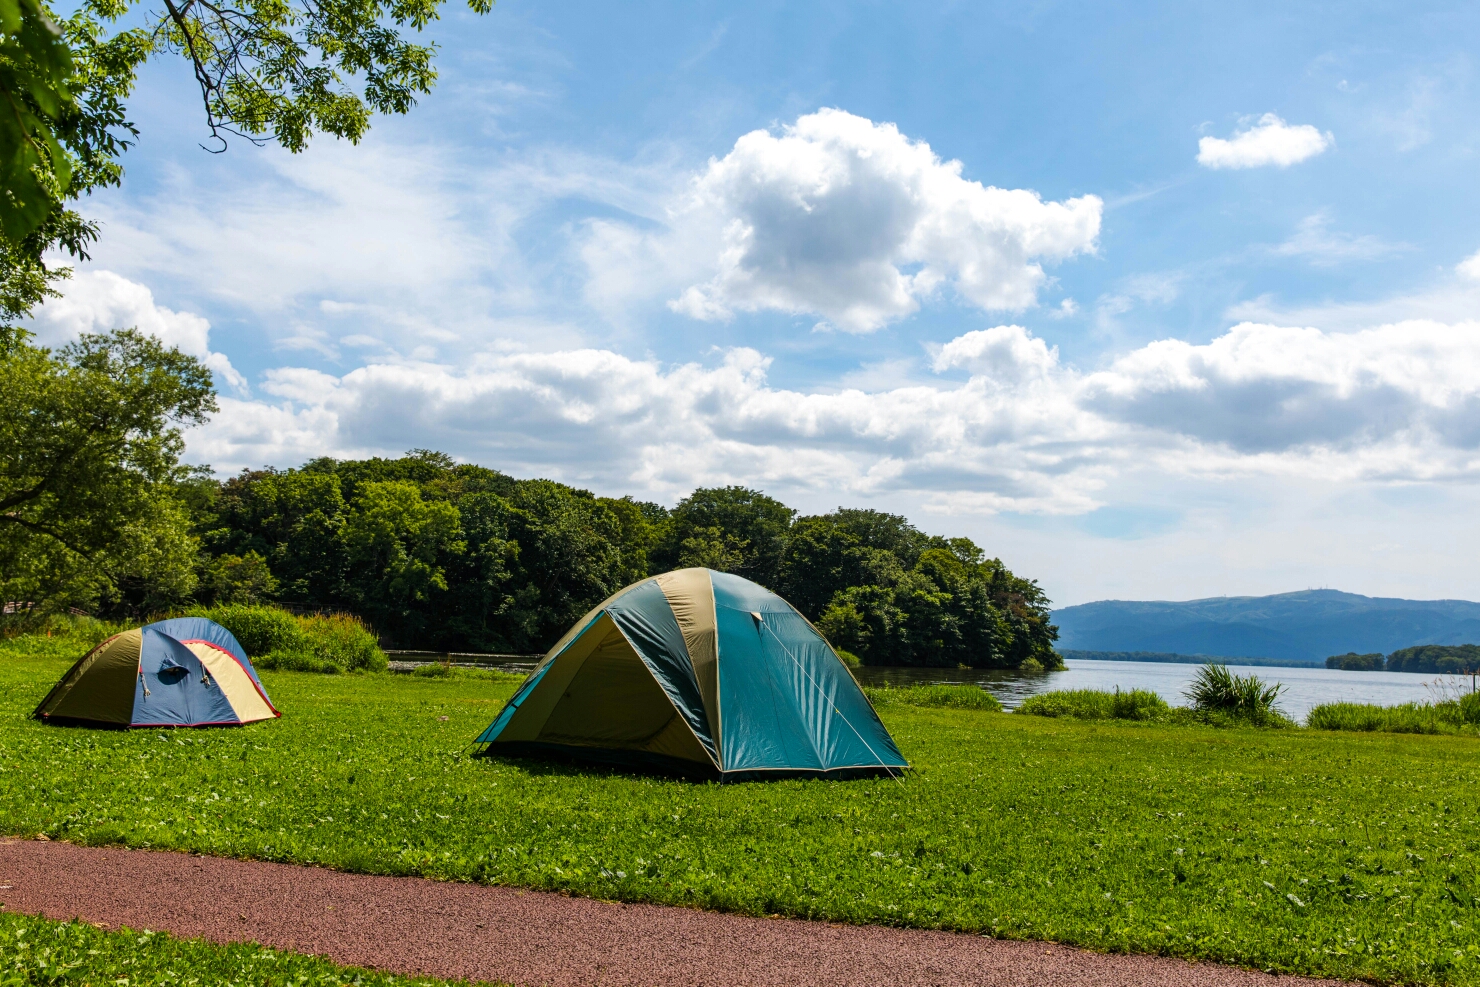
pixel 1306 626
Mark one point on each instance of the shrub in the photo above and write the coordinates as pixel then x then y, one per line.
pixel 1219 696
pixel 1095 704
pixel 934 696
pixel 343 640
pixel 276 639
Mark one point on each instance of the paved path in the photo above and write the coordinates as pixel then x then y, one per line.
pixel 410 925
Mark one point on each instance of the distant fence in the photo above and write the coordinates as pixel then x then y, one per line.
pixel 409 660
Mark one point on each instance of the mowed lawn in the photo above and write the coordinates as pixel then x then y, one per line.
pixel 1295 851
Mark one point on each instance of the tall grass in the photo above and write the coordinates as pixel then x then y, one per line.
pixel 276 639
pixel 1450 716
pixel 1216 694
pixel 1096 704
pixel 58 635
pixel 934 696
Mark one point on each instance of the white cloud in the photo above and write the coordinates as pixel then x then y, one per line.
pixel 100 301
pixel 849 220
pixel 1271 141
pixel 1024 432
pixel 1314 240
pixel 1470 266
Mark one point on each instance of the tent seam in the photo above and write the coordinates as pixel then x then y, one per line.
pixel 658 682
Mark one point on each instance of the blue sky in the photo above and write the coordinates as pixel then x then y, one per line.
pixel 1152 301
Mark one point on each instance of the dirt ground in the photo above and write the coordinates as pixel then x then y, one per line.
pixel 415 926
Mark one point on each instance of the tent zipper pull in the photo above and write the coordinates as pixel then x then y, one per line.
pixel 143 681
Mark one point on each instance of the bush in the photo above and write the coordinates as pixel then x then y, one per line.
pixel 276 639
pixel 934 696
pixel 1218 696
pixel 1095 704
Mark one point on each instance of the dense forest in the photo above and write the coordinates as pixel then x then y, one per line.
pixel 442 555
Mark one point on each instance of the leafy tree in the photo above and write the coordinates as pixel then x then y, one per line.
pixel 830 552
pixel 294 519
pixel 398 546
pixel 238 579
pixel 950 608
pixel 268 70
pixel 61 137
pixel 90 443
pixel 742 529
pixel 569 560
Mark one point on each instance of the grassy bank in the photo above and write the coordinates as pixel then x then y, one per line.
pixel 1460 716
pixel 1306 851
pixel 35 951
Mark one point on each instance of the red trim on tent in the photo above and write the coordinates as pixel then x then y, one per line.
pixel 250 677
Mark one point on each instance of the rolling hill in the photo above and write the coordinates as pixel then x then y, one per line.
pixel 1304 626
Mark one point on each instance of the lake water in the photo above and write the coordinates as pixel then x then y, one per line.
pixel 1304 687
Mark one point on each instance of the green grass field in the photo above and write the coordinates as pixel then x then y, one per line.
pixel 35 952
pixel 1293 850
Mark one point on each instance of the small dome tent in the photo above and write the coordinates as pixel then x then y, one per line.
pixel 188 672
pixel 703 672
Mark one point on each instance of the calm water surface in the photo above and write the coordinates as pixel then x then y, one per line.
pixel 1304 687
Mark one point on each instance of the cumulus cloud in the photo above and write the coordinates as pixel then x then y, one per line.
pixel 99 301
pixel 1023 432
pixel 848 220
pixel 1470 266
pixel 1271 141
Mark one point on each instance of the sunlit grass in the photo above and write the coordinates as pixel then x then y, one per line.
pixel 35 951
pixel 1302 851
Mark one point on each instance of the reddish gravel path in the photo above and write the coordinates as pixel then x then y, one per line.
pixel 410 925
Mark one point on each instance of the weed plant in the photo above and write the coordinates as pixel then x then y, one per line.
pixel 1095 704
pixel 934 697
pixel 38 951
pixel 1220 697
pixel 1338 854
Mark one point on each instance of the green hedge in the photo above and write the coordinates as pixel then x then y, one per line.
pixel 276 639
pixel 1095 704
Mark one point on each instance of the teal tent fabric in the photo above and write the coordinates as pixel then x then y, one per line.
pixel 787 705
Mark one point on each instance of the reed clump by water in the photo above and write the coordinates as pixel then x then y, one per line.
pixel 1216 697
pixel 1096 704
pixel 1219 696
pixel 1450 716
pixel 934 696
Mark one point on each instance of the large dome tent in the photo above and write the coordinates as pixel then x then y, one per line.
pixel 702 672
pixel 186 672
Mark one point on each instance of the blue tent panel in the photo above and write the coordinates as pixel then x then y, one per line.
pixel 173 688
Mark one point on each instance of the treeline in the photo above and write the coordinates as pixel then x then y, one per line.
pixel 98 513
pixel 1176 658
pixel 1442 659
pixel 452 556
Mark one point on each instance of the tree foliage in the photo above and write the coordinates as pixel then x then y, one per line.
pixel 443 555
pixel 90 475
